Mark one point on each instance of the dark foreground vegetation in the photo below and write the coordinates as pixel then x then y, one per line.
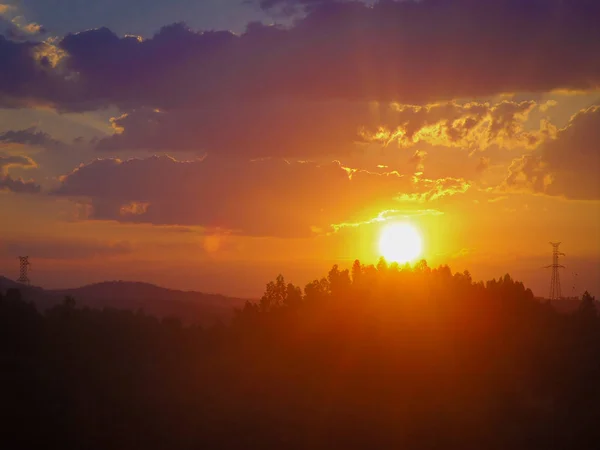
pixel 379 357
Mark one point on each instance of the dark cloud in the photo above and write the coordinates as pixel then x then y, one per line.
pixel 63 249
pixel 291 7
pixel 19 186
pixel 16 185
pixel 165 71
pixel 263 197
pixel 30 76
pixel 14 27
pixel 135 16
pixel 261 129
pixel 409 52
pixel 29 136
pixel 17 33
pixel 566 166
pixel 268 4
pixel 308 129
pixel 52 156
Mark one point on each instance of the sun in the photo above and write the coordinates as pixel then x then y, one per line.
pixel 400 242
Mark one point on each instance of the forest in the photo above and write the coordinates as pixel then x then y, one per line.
pixel 372 357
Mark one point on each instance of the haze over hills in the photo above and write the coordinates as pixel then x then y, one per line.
pixel 189 306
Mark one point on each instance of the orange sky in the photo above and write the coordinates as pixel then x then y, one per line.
pixel 484 230
pixel 192 190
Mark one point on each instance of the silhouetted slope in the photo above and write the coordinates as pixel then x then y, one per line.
pixel 7 283
pixel 43 299
pixel 188 306
pixel 380 358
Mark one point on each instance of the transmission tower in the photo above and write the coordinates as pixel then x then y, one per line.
pixel 555 293
pixel 24 265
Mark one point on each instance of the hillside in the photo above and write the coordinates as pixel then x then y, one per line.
pixel 381 358
pixel 189 306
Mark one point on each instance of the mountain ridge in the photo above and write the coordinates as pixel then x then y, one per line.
pixel 191 307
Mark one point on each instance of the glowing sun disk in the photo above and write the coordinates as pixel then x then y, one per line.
pixel 400 242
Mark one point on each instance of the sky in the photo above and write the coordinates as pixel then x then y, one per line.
pixel 211 145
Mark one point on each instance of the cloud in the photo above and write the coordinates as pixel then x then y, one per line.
pixel 15 26
pixel 52 156
pixel 410 52
pixel 259 129
pixel 437 189
pixel 64 249
pixel 17 30
pixel 281 128
pixel 64 16
pixel 388 215
pixel 269 4
pixel 473 125
pixel 566 166
pixel 18 186
pixel 4 9
pixel 29 136
pixel 418 158
pixel 8 161
pixel 30 76
pixel 292 7
pixel 265 197
pixel 483 164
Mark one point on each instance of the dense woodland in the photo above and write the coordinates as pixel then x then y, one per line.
pixel 375 357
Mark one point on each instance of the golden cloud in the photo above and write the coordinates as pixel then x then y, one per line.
pixel 475 126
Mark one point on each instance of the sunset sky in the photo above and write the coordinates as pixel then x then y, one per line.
pixel 268 136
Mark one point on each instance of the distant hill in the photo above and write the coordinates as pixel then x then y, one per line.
pixel 189 306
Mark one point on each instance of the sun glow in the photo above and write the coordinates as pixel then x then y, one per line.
pixel 400 242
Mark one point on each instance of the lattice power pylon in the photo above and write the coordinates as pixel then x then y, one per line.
pixel 555 293
pixel 24 265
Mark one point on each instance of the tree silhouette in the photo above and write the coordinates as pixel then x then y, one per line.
pixel 384 356
pixel 588 305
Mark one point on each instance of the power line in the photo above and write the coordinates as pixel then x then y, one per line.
pixel 555 293
pixel 24 265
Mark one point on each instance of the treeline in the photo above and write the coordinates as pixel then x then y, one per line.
pixel 381 357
